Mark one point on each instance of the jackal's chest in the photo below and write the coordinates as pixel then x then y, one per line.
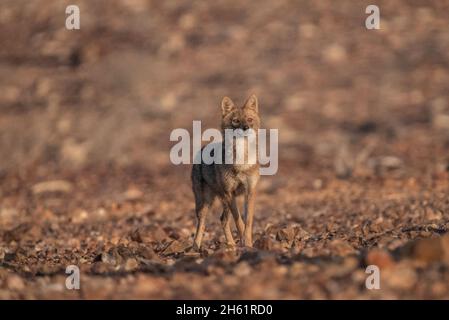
pixel 242 153
pixel 239 182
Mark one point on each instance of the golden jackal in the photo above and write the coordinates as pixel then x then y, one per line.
pixel 227 181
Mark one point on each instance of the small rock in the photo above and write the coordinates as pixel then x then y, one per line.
pixel 148 235
pixel 100 267
pixel 302 234
pixel 286 234
pixel 80 216
pixel 74 152
pixel 131 264
pixel 133 194
pixel 428 250
pixel 157 234
pixel 440 115
pixel 15 282
pixel 432 214
pixel 341 248
pixel 335 53
pixel 400 278
pixel 441 121
pixel 192 254
pixel 54 186
pixel 380 258
pixel 242 269
pixel 177 246
pixel 8 215
pixel 108 259
pixel 135 235
pixel 10 94
pixel 385 163
pixel 390 162
pixel 317 184
pixel 16 233
pixel 146 252
pixel 343 163
pixel 264 243
pixel 187 21
pixel 116 255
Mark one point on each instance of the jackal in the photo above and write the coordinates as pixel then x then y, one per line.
pixel 227 181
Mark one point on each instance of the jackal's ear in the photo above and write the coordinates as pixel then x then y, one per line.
pixel 227 105
pixel 252 103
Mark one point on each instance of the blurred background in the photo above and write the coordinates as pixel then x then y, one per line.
pixel 112 91
pixel 85 121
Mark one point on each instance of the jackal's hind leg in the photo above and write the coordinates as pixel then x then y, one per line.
pixel 204 199
pixel 226 223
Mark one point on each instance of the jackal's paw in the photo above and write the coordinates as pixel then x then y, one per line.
pixel 247 243
pixel 195 247
pixel 230 246
pixel 245 250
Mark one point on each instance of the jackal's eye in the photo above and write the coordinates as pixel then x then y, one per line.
pixel 250 120
pixel 235 122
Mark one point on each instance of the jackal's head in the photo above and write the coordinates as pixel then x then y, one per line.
pixel 246 117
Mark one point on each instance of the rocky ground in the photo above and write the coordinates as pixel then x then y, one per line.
pixel 85 176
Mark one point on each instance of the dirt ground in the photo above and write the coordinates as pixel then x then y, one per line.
pixel 85 176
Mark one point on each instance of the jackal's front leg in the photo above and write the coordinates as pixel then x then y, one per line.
pixel 249 216
pixel 231 201
pixel 226 223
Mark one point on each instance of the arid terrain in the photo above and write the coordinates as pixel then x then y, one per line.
pixel 85 173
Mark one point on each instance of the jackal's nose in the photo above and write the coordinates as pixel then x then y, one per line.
pixel 245 127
